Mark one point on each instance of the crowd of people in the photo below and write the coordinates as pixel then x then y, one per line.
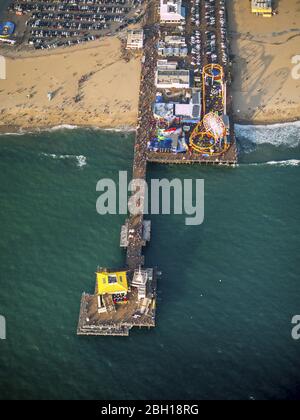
pixel 146 121
pixel 146 129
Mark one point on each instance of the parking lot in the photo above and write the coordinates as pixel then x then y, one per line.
pixel 55 24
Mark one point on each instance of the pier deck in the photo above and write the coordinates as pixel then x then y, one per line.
pixel 137 313
pixel 145 128
pixel 229 158
pixel 136 231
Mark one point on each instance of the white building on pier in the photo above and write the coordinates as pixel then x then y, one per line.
pixel 172 11
pixel 140 282
pixel 173 79
pixel 135 39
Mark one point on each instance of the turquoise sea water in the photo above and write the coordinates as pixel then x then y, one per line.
pixel 226 298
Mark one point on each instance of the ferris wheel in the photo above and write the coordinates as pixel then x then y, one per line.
pixel 214 125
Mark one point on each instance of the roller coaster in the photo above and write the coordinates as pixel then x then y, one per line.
pixel 209 136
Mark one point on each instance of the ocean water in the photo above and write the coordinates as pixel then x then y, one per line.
pixel 3 6
pixel 228 291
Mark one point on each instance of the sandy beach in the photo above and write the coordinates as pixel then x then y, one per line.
pixel 92 85
pixel 264 90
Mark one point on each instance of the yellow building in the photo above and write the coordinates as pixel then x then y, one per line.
pixel 262 7
pixel 112 283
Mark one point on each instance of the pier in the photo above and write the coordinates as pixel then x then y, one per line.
pixel 136 313
pixel 100 315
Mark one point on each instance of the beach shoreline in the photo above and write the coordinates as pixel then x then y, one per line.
pixel 270 122
pixel 17 130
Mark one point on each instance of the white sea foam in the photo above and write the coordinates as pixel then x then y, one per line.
pixel 21 132
pixel 282 163
pixel 119 130
pixel 60 127
pixel 81 160
pixel 290 162
pixel 124 129
pixel 287 134
pixel 271 126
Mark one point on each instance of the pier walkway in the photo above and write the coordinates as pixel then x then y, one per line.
pixel 136 232
pixel 146 128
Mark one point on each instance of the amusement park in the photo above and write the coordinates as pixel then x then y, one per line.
pixel 210 136
pixel 187 123
pixel 191 115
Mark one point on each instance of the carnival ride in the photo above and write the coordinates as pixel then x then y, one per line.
pixel 213 85
pixel 209 136
pixel 6 29
pixel 168 139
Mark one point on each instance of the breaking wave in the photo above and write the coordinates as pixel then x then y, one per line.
pixel 22 132
pixel 81 160
pixel 19 133
pixel 290 162
pixel 279 135
pixel 118 130
pixel 61 127
pixel 282 163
